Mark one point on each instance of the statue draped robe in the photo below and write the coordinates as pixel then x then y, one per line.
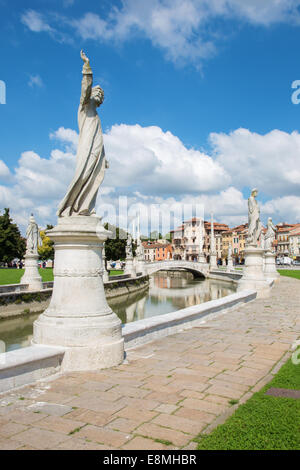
pixel 255 228
pixel 270 236
pixel 90 160
pixel 33 238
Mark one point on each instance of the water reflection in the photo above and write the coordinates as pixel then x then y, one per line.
pixel 17 332
pixel 166 293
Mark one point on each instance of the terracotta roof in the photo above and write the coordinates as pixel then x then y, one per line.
pixel 156 245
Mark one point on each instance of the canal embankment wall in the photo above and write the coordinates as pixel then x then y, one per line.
pixel 16 300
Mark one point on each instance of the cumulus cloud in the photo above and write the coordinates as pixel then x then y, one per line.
pixel 270 161
pixel 4 171
pixel 178 27
pixel 153 168
pixel 67 137
pixel 154 161
pixel 286 209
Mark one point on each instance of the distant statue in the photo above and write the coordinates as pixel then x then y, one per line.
pixel 90 160
pixel 129 247
pixel 229 251
pixel 270 235
pixel 262 241
pixel 255 227
pixel 140 250
pixel 201 230
pixel 33 237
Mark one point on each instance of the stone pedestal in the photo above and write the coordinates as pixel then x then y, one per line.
pixel 105 275
pixel 230 264
pixel 213 261
pixel 78 317
pixel 253 274
pixel 140 267
pixel 31 275
pixel 270 266
pixel 130 267
pixel 201 258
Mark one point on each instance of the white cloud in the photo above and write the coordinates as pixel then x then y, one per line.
pixel 271 161
pixel 152 167
pixel 285 209
pixel 178 27
pixel 35 21
pixel 4 171
pixel 157 162
pixel 68 137
pixel 35 80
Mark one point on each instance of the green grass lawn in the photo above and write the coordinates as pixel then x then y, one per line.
pixel 290 273
pixel 13 276
pixel 115 272
pixel 263 422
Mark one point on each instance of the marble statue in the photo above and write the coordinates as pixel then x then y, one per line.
pixel 212 236
pixel 270 235
pixel 33 237
pixel 90 160
pixel 255 227
pixel 229 251
pixel 201 230
pixel 262 241
pixel 129 247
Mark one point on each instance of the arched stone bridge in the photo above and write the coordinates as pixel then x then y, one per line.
pixel 198 269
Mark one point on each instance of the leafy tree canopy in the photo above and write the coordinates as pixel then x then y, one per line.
pixel 12 244
pixel 46 251
pixel 115 247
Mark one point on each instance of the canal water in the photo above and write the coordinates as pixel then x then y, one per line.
pixel 167 292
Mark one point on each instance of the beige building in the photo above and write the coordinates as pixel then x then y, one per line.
pixel 236 237
pixel 186 239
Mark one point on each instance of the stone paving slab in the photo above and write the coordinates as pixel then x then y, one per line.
pixel 167 391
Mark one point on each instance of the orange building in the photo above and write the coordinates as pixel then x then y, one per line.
pixel 157 251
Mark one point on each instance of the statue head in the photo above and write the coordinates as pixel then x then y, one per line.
pixel 97 95
pixel 32 219
pixel 254 192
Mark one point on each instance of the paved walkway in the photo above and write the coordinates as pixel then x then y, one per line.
pixel 168 392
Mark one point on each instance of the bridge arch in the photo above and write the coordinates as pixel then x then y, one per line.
pixel 197 269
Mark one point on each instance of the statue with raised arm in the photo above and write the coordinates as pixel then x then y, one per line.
pixel 270 235
pixel 255 227
pixel 33 237
pixel 90 160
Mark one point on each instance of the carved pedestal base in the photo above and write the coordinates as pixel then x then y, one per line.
pixel 270 266
pixel 105 276
pixel 78 317
pixel 230 264
pixel 140 267
pixel 213 261
pixel 253 274
pixel 31 275
pixel 201 258
pixel 130 267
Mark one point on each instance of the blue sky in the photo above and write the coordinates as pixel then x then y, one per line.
pixel 180 79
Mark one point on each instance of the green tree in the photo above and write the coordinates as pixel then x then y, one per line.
pixel 46 251
pixel 115 248
pixel 12 244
